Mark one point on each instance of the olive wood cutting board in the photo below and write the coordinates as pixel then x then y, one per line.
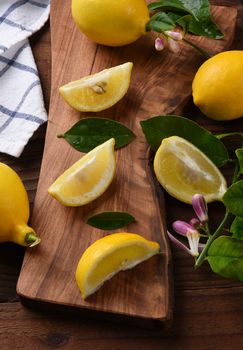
pixel 160 84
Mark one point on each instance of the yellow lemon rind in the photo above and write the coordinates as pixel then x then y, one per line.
pixel 103 249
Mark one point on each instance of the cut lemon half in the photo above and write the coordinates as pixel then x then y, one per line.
pixel 109 255
pixel 183 170
pixel 98 91
pixel 88 178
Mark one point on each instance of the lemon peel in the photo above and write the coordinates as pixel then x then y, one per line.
pixel 112 23
pixel 109 255
pixel 14 210
pixel 217 88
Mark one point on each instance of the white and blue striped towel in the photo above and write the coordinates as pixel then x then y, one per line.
pixel 22 109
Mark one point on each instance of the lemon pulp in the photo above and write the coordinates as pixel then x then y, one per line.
pixel 98 91
pixel 88 178
pixel 183 170
pixel 218 86
pixel 109 255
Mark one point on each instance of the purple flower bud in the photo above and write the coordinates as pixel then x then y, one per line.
pixel 177 36
pixel 159 44
pixel 200 207
pixel 173 46
pixel 194 222
pixel 183 227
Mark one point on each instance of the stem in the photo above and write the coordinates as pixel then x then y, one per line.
pixel 203 52
pixel 31 239
pixel 236 172
pixel 216 234
pixel 221 136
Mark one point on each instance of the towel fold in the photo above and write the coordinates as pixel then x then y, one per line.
pixel 22 108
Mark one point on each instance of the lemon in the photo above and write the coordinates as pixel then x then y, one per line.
pixel 14 209
pixel 88 178
pixel 183 170
pixel 98 91
pixel 109 22
pixel 218 86
pixel 109 255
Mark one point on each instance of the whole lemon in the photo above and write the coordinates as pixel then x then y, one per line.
pixel 111 22
pixel 217 88
pixel 14 209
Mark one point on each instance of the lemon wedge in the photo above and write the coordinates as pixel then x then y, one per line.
pixel 183 170
pixel 98 91
pixel 109 255
pixel 88 178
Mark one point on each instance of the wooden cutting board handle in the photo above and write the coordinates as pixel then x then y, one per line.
pixel 161 83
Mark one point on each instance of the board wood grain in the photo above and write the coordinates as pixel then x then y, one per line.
pixel 161 84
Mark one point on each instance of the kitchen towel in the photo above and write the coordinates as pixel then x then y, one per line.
pixel 22 108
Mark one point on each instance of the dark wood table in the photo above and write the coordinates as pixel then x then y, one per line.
pixel 208 310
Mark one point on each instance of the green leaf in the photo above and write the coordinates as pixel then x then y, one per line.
pixel 205 28
pixel 110 220
pixel 225 257
pixel 233 198
pixel 239 155
pixel 200 21
pixel 88 133
pixel 177 5
pixel 160 127
pixel 237 228
pixel 160 22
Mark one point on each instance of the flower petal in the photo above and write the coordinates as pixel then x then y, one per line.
pixel 159 44
pixel 178 243
pixel 200 207
pixel 182 227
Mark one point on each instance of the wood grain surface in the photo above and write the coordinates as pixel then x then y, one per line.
pixel 144 292
pixel 208 311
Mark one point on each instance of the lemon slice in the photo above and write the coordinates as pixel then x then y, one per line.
pixel 98 91
pixel 109 255
pixel 88 178
pixel 183 170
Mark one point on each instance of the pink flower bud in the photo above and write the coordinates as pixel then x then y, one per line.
pixel 194 222
pixel 183 227
pixel 177 36
pixel 200 207
pixel 173 46
pixel 159 44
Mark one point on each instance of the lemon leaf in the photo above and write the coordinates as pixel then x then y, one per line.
pixel 237 228
pixel 200 21
pixel 88 133
pixel 157 128
pixel 225 257
pixel 233 198
pixel 205 28
pixel 239 155
pixel 160 22
pixel 110 220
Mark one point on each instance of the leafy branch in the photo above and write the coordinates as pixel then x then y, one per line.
pixel 189 16
pixel 223 248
